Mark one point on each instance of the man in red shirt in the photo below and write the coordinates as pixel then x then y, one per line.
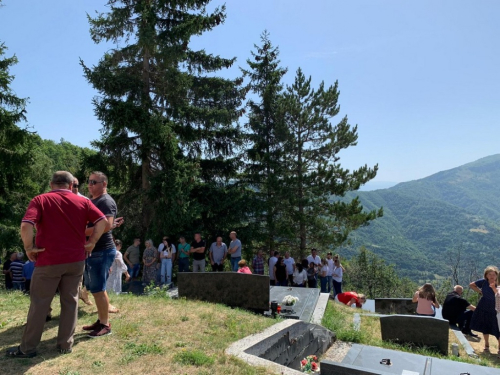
pixel 60 251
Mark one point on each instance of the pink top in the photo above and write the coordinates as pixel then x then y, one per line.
pixel 245 270
pixel 424 306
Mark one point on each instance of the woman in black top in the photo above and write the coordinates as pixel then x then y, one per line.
pixel 280 272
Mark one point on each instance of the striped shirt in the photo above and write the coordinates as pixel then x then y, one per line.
pixel 16 267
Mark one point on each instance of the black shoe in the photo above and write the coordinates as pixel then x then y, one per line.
pixel 469 333
pixel 48 318
pixel 16 352
pixel 64 351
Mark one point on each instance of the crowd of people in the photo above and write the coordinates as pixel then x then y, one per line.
pixel 74 241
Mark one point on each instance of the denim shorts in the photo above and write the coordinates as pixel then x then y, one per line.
pixel 97 269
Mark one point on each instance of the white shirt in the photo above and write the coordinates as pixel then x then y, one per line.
pixel 324 270
pixel 299 277
pixel 165 252
pixel 331 266
pixel 289 265
pixel 272 263
pixel 337 274
pixel 316 261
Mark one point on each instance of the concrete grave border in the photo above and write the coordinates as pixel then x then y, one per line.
pixel 238 348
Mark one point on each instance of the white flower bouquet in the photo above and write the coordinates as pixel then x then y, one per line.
pixel 290 300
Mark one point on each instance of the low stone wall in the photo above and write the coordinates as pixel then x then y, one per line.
pixel 229 288
pixel 403 306
pixel 293 344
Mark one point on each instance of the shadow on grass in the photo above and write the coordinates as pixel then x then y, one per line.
pixel 46 350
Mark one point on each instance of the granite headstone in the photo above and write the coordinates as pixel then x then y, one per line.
pixel 403 306
pixel 229 288
pixel 418 330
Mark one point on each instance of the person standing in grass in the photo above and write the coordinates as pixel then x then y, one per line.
pixel 258 263
pixel 198 247
pixel 150 260
pixel 299 276
pixel 337 276
pixel 59 251
pixel 217 254
pixel 183 250
pixel 272 262
pixel 16 272
pixel 290 266
pixel 28 269
pixel 98 264
pixel 280 272
pixel 484 319
pixel 312 275
pixel 6 272
pixel 323 275
pixel 133 258
pixel 235 251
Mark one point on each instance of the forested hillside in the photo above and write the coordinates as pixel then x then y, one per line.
pixel 430 220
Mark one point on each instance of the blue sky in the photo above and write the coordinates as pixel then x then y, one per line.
pixel 420 79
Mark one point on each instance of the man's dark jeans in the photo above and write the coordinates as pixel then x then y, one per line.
pixel 464 321
pixel 217 267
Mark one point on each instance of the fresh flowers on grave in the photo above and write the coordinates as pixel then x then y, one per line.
pixel 309 364
pixel 290 300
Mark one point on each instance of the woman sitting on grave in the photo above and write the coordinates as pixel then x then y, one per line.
pixel 426 300
pixel 243 267
pixel 351 298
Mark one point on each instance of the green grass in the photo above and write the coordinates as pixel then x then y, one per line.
pixel 150 335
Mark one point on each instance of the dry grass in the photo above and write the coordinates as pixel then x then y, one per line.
pixel 150 336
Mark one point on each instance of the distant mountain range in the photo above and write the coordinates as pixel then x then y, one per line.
pixel 424 219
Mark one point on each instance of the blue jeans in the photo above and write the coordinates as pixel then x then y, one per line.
pixel 323 281
pixel 18 285
pixel 329 280
pixel 337 287
pixel 166 270
pixel 234 263
pixel 97 267
pixel 184 264
pixel 134 270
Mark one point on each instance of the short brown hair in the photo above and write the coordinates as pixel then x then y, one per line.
pixel 101 175
pixel 489 269
pixel 242 263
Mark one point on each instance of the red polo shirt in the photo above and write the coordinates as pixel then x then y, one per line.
pixel 60 218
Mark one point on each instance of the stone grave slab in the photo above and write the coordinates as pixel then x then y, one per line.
pixel 403 306
pixel 303 309
pixel 134 287
pixel 229 288
pixel 292 344
pixel 365 360
pixel 417 330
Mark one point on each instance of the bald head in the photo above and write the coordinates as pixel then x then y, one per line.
pixel 459 289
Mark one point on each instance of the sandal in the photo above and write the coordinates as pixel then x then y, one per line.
pixel 113 310
pixel 16 352
pixel 486 348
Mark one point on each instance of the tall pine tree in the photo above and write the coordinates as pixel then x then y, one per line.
pixel 16 157
pixel 168 121
pixel 317 180
pixel 266 135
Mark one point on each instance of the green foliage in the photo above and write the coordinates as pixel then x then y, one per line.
pixel 425 220
pixel 311 155
pixel 193 358
pixel 369 274
pixel 266 136
pixel 338 321
pixel 16 158
pixel 168 121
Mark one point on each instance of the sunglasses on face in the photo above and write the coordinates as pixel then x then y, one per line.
pixel 94 182
pixel 75 186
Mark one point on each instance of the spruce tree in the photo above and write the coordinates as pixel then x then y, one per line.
pixel 168 120
pixel 266 135
pixel 317 181
pixel 16 157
